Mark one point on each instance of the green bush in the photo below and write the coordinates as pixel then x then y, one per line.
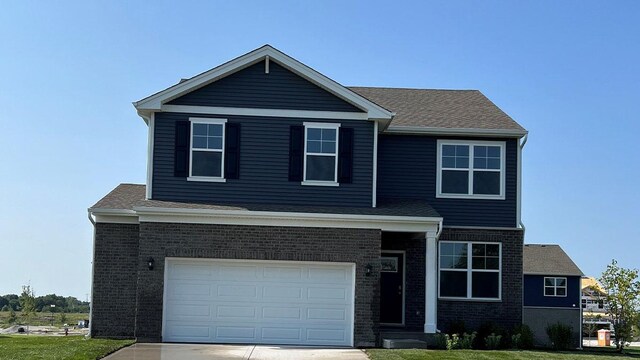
pixel 440 342
pixel 522 337
pixel 456 342
pixel 486 329
pixel 492 342
pixel 560 336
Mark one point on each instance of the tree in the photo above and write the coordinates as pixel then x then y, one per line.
pixel 12 317
pixel 63 318
pixel 622 300
pixel 27 303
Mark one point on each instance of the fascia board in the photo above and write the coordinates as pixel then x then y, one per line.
pixel 419 130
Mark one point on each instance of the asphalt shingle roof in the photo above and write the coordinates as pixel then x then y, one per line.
pixel 128 196
pixel 548 260
pixel 447 109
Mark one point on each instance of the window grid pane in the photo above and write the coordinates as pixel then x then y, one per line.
pixel 483 271
pixel 321 141
pixel 207 136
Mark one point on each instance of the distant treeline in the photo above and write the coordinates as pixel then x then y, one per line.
pixel 67 304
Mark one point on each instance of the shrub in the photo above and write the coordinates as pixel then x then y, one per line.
pixel 455 342
pixel 488 328
pixel 559 335
pixel 522 337
pixel 466 342
pixel 492 342
pixel 456 327
pixel 440 342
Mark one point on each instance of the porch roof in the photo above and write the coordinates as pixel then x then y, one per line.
pixel 132 196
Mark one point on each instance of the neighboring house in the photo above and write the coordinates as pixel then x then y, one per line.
pixel 551 291
pixel 284 208
pixel 594 310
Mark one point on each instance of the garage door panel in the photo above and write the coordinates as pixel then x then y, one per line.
pixel 190 272
pixel 240 291
pixel 326 293
pixel 279 313
pixel 326 314
pixel 277 273
pixel 262 302
pixel 235 312
pixel 282 292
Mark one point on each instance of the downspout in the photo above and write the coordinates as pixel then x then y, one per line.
pixel 519 209
pixel 93 222
pixel 519 199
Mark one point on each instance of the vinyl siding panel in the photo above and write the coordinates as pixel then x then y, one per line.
pixel 253 88
pixel 534 292
pixel 264 166
pixel 407 167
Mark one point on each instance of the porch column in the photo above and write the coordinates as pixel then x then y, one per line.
pixel 431 285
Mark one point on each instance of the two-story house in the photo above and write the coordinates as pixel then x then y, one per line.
pixel 281 207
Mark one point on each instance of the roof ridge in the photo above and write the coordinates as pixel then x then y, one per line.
pixel 407 88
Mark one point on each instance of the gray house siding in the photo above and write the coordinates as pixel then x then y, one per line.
pixel 253 88
pixel 407 167
pixel 264 166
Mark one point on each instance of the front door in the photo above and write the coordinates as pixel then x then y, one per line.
pixel 392 288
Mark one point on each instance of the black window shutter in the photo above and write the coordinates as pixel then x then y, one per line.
pixel 181 161
pixel 345 156
pixel 296 152
pixel 232 151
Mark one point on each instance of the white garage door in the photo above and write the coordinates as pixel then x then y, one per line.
pixel 260 302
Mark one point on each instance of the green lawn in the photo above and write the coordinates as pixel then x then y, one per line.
pixel 19 347
pixel 43 318
pixel 589 354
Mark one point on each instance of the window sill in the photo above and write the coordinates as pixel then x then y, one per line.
pixel 206 179
pixel 319 183
pixel 469 299
pixel 466 196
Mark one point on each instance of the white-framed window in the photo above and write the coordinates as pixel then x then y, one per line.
pixel 206 160
pixel 470 270
pixel 320 154
pixel 555 286
pixel 471 169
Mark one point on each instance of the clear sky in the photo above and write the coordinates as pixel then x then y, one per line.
pixel 567 71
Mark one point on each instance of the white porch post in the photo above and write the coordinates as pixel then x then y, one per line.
pixel 431 285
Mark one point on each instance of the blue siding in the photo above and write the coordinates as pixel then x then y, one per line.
pixel 253 88
pixel 407 167
pixel 534 293
pixel 264 166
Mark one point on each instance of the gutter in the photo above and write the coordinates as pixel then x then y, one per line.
pixel 456 131
pixel 92 272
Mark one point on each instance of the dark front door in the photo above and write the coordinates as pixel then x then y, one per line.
pixel 392 288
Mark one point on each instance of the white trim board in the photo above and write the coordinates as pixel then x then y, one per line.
pixel 425 130
pixel 304 114
pixel 157 100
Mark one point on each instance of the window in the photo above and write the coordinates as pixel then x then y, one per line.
pixel 321 154
pixel 207 149
pixel 555 286
pixel 470 270
pixel 471 169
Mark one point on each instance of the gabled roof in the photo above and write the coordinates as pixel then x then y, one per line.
pixel 154 102
pixel 427 110
pixel 545 259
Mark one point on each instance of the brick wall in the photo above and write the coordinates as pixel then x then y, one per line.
pixel 114 280
pixel 160 240
pixel 506 313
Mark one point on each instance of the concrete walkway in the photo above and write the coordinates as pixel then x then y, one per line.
pixel 233 352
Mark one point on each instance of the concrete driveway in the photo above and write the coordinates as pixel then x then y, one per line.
pixel 233 352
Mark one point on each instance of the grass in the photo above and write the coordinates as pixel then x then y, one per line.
pixel 18 347
pixel 414 354
pixel 43 319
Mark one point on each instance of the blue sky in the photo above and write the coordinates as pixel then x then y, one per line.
pixel 567 71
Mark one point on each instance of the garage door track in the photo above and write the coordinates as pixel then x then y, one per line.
pixel 233 352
